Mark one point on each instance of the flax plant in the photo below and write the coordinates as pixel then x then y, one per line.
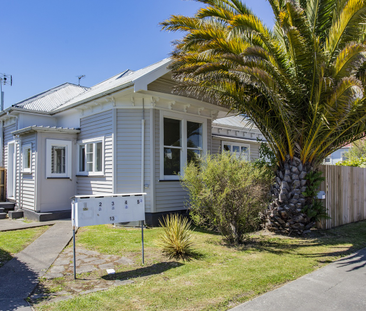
pixel 176 239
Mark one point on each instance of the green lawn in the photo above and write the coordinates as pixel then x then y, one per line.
pixel 217 278
pixel 12 242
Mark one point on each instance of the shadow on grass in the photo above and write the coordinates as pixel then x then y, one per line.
pixel 141 272
pixel 4 257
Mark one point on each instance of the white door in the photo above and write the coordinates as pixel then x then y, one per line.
pixel 11 171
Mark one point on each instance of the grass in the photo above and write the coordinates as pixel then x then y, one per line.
pixel 218 277
pixel 12 242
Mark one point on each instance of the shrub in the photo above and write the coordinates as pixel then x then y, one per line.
pixel 227 194
pixel 355 162
pixel 176 239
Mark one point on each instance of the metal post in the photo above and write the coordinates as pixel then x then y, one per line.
pixel 73 239
pixel 142 239
pixel 73 235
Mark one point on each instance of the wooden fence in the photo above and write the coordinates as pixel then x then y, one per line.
pixel 2 184
pixel 345 194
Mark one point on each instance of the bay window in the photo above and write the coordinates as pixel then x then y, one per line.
pixel 183 141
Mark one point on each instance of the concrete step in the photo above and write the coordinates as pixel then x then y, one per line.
pixel 3 215
pixel 32 215
pixel 8 206
pixel 15 214
pixel 2 210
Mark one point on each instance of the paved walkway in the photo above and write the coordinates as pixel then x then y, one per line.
pixel 340 285
pixel 17 224
pixel 19 276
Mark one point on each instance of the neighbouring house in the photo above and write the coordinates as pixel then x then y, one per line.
pixel 128 134
pixel 337 156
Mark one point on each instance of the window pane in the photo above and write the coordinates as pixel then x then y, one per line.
pixel 194 135
pixel 227 148
pixel 82 158
pixel 99 157
pixel 171 161
pixel 236 149
pixel 28 158
pixel 193 155
pixel 89 157
pixel 172 135
pixel 58 159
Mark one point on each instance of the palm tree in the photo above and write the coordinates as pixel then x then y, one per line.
pixel 302 83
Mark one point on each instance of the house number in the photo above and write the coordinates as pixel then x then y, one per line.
pixel 112 205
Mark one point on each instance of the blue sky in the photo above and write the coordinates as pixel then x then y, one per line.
pixel 45 43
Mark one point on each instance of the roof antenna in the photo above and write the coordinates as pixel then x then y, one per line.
pixel 80 77
pixel 4 79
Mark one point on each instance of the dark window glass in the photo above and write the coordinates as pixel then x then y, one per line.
pixel 172 135
pixel 194 135
pixel 171 161
pixel 193 155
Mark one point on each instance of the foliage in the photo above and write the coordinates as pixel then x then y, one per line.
pixel 315 209
pixel 267 157
pixel 355 162
pixel 227 194
pixel 176 239
pixel 302 83
pixel 356 155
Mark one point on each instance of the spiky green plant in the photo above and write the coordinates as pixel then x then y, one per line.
pixel 176 239
pixel 301 83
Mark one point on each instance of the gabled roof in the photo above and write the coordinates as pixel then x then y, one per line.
pixel 53 98
pixel 139 79
pixel 69 95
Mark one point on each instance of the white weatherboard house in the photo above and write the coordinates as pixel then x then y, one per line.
pixel 128 134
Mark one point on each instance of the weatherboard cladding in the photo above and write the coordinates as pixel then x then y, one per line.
pixel 27 180
pixel 53 98
pixel 128 152
pixel 96 126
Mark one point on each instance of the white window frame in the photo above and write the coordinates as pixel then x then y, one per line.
pixel 183 156
pixel 25 148
pixel 330 160
pixel 68 157
pixel 85 142
pixel 231 143
pixel 342 154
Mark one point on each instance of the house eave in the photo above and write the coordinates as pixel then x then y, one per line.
pixel 35 128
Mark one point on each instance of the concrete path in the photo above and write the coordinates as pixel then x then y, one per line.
pixel 340 285
pixel 18 224
pixel 19 276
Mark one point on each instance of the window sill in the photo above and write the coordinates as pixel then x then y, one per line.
pixel 58 178
pixel 27 172
pixel 92 175
pixel 168 180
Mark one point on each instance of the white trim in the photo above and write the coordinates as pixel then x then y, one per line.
pixel 183 159
pixel 26 147
pixel 68 157
pixel 232 143
pixel 93 141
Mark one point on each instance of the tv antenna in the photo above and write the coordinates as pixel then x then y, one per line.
pixel 80 77
pixel 4 79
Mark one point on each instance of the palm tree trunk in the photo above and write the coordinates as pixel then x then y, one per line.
pixel 284 214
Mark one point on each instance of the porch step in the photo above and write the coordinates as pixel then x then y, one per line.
pixel 15 214
pixel 2 210
pixel 3 215
pixel 8 206
pixel 32 215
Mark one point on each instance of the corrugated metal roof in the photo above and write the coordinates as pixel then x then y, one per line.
pixel 234 121
pixel 53 98
pixel 117 81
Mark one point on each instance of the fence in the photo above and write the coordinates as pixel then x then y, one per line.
pixel 345 195
pixel 2 184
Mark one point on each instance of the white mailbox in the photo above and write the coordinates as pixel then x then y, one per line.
pixel 90 210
